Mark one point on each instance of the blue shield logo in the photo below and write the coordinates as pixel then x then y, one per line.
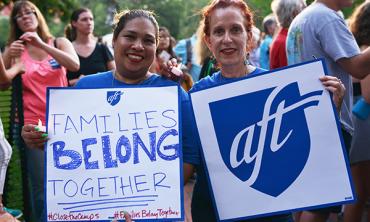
pixel 113 97
pixel 263 136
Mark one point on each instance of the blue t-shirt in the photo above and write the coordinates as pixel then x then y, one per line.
pixel 321 32
pixel 265 52
pixel 106 80
pixel 202 206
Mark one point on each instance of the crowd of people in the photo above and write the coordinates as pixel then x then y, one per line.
pixel 227 46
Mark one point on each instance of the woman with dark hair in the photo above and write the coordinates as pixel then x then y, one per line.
pixel 45 59
pixel 94 56
pixel 164 53
pixel 135 41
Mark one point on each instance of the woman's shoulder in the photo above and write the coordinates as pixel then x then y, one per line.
pixel 60 41
pixel 158 80
pixel 206 82
pixel 103 79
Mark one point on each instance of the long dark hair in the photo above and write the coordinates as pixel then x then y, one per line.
pixel 170 47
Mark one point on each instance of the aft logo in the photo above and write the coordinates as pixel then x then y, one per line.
pixel 113 97
pixel 258 133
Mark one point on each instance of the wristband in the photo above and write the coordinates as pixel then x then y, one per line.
pixel 361 109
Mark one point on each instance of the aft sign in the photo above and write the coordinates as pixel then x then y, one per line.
pixel 272 143
pixel 113 150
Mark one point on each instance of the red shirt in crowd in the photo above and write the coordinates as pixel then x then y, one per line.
pixel 278 57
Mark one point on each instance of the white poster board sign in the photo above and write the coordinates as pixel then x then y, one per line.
pixel 113 150
pixel 272 144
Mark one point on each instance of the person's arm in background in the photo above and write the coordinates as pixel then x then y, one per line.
pixel 14 50
pixel 64 54
pixel 358 66
pixel 6 76
pixel 362 107
pixel 365 88
pixel 339 44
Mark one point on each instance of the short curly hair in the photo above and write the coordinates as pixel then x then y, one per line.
pixel 359 24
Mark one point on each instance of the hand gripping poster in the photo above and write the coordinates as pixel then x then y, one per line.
pixel 111 151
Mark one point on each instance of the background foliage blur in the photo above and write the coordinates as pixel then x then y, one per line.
pixel 180 16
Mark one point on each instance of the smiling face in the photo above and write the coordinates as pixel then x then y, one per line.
pixel 228 37
pixel 84 23
pixel 134 48
pixel 26 19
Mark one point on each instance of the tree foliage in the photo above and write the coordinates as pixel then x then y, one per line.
pixel 180 16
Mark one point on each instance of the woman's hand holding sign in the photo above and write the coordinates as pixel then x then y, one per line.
pixel 34 136
pixel 335 86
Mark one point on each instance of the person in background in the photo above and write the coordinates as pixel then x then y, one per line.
pixel 107 40
pixel 284 11
pixel 359 154
pixel 254 56
pixel 164 54
pixel 5 149
pixel 45 59
pixel 204 55
pixel 227 33
pixel 185 50
pixel 319 31
pixel 94 56
pixel 269 26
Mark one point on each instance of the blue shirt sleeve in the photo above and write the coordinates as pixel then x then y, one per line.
pixel 190 138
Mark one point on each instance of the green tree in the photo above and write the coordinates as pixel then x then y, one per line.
pixel 4 30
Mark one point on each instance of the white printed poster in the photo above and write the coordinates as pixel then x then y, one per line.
pixel 113 150
pixel 272 144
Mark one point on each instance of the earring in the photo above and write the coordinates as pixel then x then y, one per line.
pixel 214 62
pixel 246 62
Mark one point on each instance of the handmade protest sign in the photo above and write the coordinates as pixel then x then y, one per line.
pixel 272 144
pixel 113 150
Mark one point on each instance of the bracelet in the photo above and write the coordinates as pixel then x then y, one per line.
pixel 361 109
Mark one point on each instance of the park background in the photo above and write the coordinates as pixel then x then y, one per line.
pixel 181 17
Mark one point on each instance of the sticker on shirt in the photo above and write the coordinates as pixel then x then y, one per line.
pixel 54 64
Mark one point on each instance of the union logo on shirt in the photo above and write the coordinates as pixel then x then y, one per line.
pixel 54 64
